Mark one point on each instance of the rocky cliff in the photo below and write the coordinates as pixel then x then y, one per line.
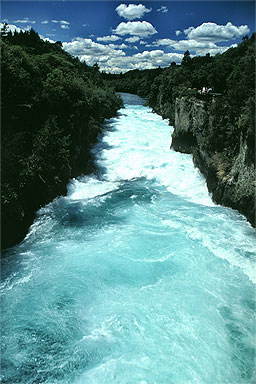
pixel 229 169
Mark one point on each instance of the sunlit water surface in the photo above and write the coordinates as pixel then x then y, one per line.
pixel 135 276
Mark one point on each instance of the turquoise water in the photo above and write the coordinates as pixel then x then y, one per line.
pixel 135 276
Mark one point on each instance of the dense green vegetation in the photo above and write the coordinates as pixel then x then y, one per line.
pixel 135 81
pixel 232 74
pixel 224 144
pixel 52 108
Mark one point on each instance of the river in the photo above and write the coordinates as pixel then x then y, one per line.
pixel 135 276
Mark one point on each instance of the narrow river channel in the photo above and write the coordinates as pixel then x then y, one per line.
pixel 134 277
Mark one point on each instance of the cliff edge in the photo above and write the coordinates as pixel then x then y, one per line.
pixel 229 169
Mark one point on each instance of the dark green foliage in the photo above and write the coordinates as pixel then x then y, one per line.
pixel 232 76
pixel 52 108
pixel 136 81
pixel 186 61
pixel 219 126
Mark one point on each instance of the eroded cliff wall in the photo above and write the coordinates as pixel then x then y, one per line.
pixel 229 170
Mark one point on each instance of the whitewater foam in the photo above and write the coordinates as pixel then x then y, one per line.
pixel 135 276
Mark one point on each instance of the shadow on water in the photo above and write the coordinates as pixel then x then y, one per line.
pixel 76 219
pixel 106 209
pixel 38 344
pixel 243 355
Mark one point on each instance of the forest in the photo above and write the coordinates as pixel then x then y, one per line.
pixel 52 110
pixel 232 74
pixel 53 107
pixel 223 144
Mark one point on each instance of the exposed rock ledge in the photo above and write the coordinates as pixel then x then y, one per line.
pixel 232 182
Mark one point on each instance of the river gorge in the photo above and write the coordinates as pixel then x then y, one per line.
pixel 135 276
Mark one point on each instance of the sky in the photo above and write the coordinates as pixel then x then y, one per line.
pixel 125 35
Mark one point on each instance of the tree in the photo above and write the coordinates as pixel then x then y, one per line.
pixel 186 59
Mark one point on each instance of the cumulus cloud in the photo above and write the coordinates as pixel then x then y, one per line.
pixel 144 60
pixel 135 28
pixel 132 11
pixel 112 58
pixel 109 38
pixel 91 52
pixel 44 22
pixel 216 33
pixel 163 9
pixel 178 33
pixel 12 27
pixel 118 46
pixel 48 39
pixel 25 21
pixel 199 47
pixel 132 39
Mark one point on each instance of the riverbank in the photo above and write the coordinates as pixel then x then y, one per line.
pixel 53 107
pixel 218 128
pixel 133 275
pixel 230 175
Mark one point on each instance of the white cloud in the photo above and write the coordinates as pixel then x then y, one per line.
pixel 143 42
pixel 132 39
pixel 12 27
pixel 91 52
pixel 44 22
pixel 25 21
pixel 178 33
pixel 112 58
pixel 216 33
pixel 135 28
pixel 163 9
pixel 199 47
pixel 118 46
pixel 63 23
pixel 132 11
pixel 144 60
pixel 109 38
pixel 47 39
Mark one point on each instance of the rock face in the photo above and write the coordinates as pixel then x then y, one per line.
pixel 190 120
pixel 230 176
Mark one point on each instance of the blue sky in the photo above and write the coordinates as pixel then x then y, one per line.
pixel 139 34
